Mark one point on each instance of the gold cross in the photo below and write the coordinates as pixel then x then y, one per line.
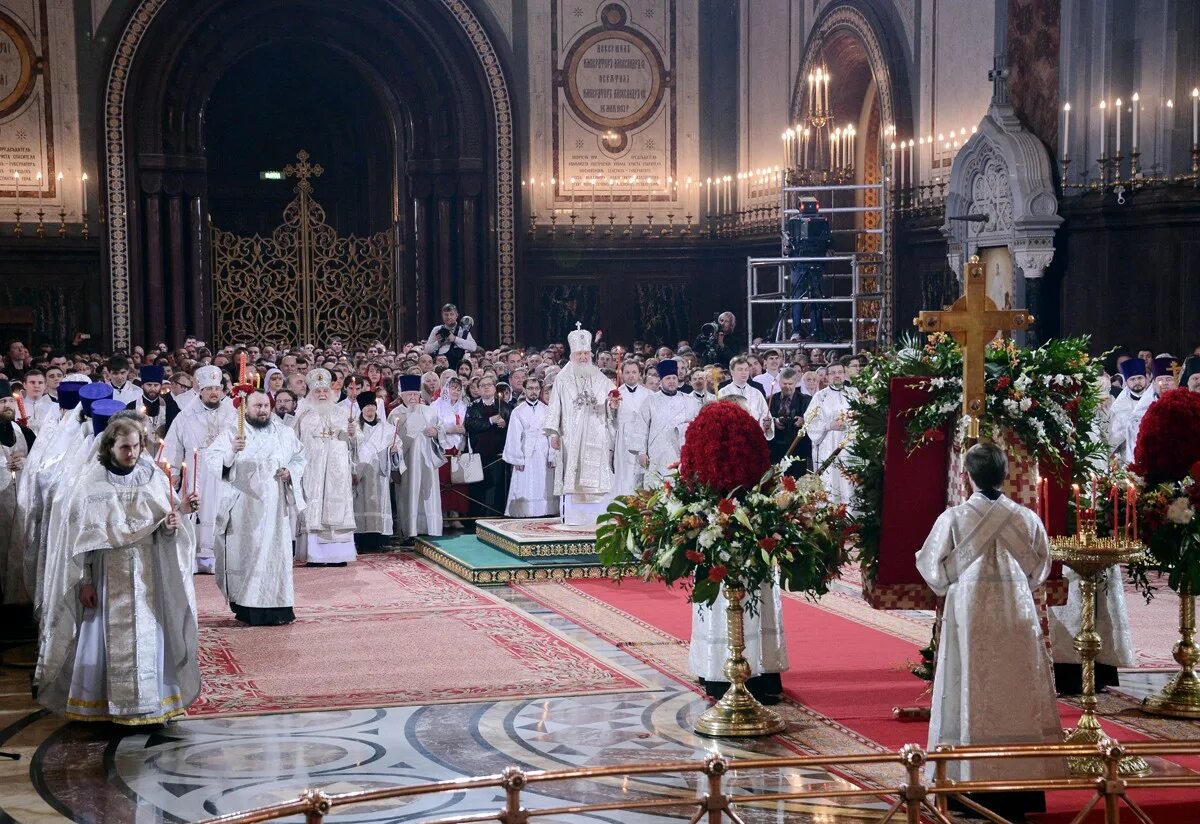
pixel 303 170
pixel 973 322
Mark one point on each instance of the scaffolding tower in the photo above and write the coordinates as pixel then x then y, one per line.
pixel 852 296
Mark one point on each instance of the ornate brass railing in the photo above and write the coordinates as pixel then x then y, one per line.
pixel 914 800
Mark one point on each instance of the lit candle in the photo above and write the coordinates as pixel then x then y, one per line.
pixel 1078 511
pixel 1195 116
pixel 83 191
pixel 825 77
pixel 1131 508
pixel 1116 507
pixel 1103 129
pixel 39 189
pixel 17 186
pixel 166 468
pixel 1118 106
pixel 1137 108
pixel 708 196
pixel 195 469
pixel 912 159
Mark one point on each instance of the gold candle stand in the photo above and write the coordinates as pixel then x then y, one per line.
pixel 1090 556
pixel 1180 698
pixel 738 714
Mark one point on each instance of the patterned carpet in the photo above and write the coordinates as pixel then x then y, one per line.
pixel 387 631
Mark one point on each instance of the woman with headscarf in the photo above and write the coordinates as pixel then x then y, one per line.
pixel 273 381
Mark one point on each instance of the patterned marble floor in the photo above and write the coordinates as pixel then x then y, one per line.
pixel 199 768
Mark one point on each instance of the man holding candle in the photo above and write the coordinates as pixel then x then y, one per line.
pixel 192 433
pixel 16 440
pixel 263 473
pixel 120 616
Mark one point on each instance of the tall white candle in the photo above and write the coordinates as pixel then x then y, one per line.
pixel 912 159
pixel 826 79
pixel 1196 117
pixel 1137 107
pixel 1118 108
pixel 1066 141
pixel 1103 130
pixel 83 192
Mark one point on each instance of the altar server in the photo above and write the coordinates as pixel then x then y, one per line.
pixel 330 438
pixel 993 683
pixel 117 376
pixel 120 617
pixel 192 432
pixel 527 450
pixel 627 472
pixel 756 401
pixel 253 530
pixel 656 436
pixel 379 455
pixel 419 502
pixel 16 440
pixel 828 428
pixel 1133 373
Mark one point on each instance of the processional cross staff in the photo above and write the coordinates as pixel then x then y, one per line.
pixel 973 320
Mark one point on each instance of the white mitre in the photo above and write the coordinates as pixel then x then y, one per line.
pixel 319 379
pixel 580 340
pixel 207 376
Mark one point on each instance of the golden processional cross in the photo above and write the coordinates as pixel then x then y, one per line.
pixel 973 321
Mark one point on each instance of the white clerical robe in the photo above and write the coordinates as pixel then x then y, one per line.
pixel 328 520
pixel 131 660
pixel 253 528
pixel 579 415
pixel 1118 429
pixel 627 472
pixel 531 492
pixel 12 524
pixel 372 477
pixel 756 405
pixel 994 683
pixel 828 421
pixel 191 434
pixel 419 498
pixel 1134 423
pixel 126 393
pixel 766 645
pixel 659 431
pixel 1112 621
pixel 45 411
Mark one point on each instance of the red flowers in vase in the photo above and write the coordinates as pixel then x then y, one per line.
pixel 725 449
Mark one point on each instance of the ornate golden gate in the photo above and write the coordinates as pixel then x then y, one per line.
pixel 304 283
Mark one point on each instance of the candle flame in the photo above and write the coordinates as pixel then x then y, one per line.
pixel 1136 98
pixel 1066 107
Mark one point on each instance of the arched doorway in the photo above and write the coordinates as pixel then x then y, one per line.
pixel 870 91
pixel 427 64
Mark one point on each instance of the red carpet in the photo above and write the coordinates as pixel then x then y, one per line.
pixel 855 675
pixel 376 634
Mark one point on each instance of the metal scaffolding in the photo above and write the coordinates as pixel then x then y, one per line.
pixel 843 297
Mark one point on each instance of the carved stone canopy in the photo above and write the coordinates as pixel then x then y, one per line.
pixel 1003 173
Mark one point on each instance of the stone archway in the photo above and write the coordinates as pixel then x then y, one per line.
pixel 458 188
pixel 871 89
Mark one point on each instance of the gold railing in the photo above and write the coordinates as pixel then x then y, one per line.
pixel 914 800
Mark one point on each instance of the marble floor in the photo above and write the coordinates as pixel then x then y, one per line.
pixel 194 769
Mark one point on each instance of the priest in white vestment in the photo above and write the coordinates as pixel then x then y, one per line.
pixel 756 401
pixel 656 437
pixel 828 427
pixel 1162 380
pixel 379 455
pixel 192 432
pixel 16 440
pixel 1133 371
pixel 581 424
pixel 527 450
pixel 993 683
pixel 419 498
pixel 120 616
pixel 330 438
pixel 627 472
pixel 264 473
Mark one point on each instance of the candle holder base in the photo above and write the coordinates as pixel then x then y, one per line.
pixel 1180 698
pixel 1131 766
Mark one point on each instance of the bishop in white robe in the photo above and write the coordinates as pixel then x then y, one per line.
pixel 656 438
pixel 828 427
pixel 330 439
pixel 993 682
pixel 419 498
pixel 627 472
pixel 379 455
pixel 581 423
pixel 191 434
pixel 527 450
pixel 263 487
pixel 120 616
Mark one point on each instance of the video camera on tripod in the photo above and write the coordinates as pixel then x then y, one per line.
pixel 808 236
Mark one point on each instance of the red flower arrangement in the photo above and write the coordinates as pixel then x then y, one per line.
pixel 1169 439
pixel 724 450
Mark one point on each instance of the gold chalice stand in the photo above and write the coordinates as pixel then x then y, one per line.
pixel 738 714
pixel 1090 556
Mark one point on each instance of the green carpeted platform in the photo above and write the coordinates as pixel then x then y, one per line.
pixel 473 560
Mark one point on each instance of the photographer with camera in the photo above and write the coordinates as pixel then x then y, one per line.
pixel 716 342
pixel 453 337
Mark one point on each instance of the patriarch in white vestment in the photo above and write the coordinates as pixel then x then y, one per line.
pixel 581 423
pixel 627 472
pixel 527 450
pixel 993 683
pixel 263 489
pixel 379 455
pixel 656 437
pixel 191 434
pixel 828 426
pixel 330 438
pixel 120 615
pixel 419 498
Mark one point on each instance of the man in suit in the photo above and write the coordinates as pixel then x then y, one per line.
pixel 788 407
